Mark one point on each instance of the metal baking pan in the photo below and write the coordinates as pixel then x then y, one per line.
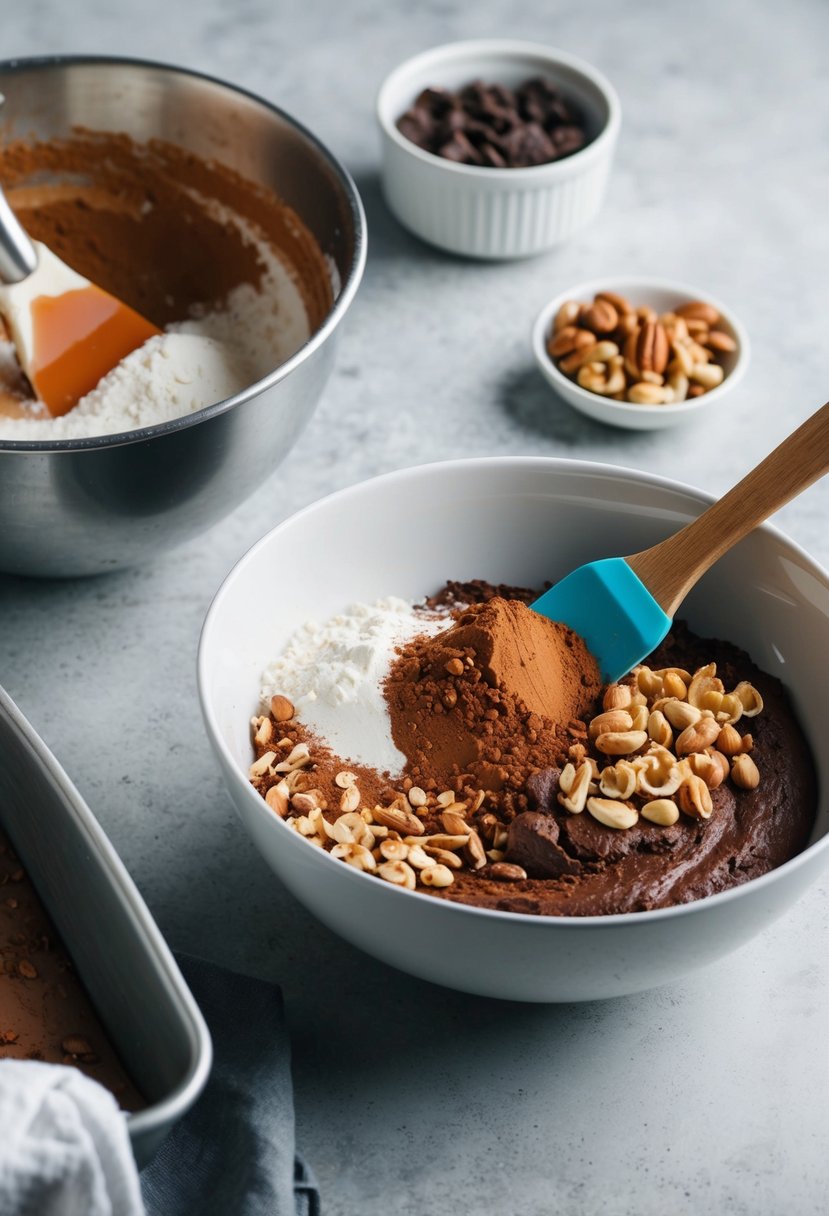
pixel 116 947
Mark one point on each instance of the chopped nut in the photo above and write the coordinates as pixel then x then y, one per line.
pixel 659 728
pixel 697 737
pixel 744 772
pixel 340 830
pixel 474 851
pixel 610 721
pixel 345 779
pixel 618 780
pixel 443 856
pixel 566 315
pixel 299 757
pixel 263 731
pixel 680 714
pixel 436 876
pixel 575 796
pixel 417 796
pixel 647 681
pixel 419 858
pixel 399 873
pixel 454 667
pixel 394 850
pixel 277 799
pixel 399 820
pixel 304 803
pixel 504 871
pixel 673 685
pixel 698 310
pixel 750 698
pixel 442 840
pixel 663 811
pixel 720 341
pixel 282 709
pixel 616 696
pixel 729 741
pixel 350 798
pixel 27 969
pixel 709 375
pixel 262 765
pixel 358 827
pixel 453 823
pixel 612 813
pixel 705 766
pixel 695 798
pixel 621 743
pixel 658 774
pixel 356 855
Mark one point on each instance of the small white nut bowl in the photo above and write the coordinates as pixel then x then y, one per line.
pixel 518 521
pixel 496 213
pixel 663 295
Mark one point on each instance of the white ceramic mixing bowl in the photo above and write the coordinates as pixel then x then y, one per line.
pixel 518 521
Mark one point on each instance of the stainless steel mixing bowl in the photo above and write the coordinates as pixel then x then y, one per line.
pixel 86 506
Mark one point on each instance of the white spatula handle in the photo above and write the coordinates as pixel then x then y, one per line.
pixel 670 569
pixel 18 258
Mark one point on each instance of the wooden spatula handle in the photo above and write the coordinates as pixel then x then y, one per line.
pixel 670 569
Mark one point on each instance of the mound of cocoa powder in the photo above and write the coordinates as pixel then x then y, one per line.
pixel 491 697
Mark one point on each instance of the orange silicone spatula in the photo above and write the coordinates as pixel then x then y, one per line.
pixel 68 332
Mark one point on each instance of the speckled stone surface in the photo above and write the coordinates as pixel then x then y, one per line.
pixel 711 1095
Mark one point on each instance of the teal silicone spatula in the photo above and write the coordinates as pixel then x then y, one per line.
pixel 623 606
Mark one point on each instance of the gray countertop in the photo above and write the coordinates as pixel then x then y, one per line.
pixel 711 1095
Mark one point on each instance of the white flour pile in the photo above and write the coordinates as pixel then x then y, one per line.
pixel 195 363
pixel 333 673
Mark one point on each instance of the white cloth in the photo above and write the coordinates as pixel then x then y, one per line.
pixel 64 1146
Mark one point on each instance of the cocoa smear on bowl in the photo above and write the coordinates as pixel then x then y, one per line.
pixel 141 221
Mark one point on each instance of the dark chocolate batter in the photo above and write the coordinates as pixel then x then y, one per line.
pixel 45 1013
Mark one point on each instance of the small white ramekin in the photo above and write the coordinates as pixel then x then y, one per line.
pixel 496 213
pixel 663 295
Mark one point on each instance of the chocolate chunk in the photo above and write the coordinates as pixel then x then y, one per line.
pixel 491 125
pixel 567 139
pixel 492 157
pixel 529 145
pixel 434 101
pixel 417 127
pixel 533 843
pixel 542 789
pixel 460 150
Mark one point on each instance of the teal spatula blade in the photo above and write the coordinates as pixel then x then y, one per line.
pixel 613 611
pixel 623 616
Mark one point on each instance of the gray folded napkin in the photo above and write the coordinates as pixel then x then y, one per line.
pixel 234 1151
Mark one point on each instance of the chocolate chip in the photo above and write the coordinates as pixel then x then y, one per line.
pixel 491 125
pixel 417 128
pixel 542 789
pixel 533 843
pixel 460 150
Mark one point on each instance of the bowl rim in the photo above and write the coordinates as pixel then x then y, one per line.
pixel 447 467
pixel 625 409
pixel 347 291
pixel 530 175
